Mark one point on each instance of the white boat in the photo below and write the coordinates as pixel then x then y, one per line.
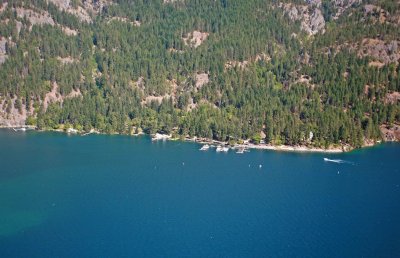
pixel 72 130
pixel 159 136
pixel 240 151
pixel 222 149
pixel 23 129
pixel 205 147
pixel 339 161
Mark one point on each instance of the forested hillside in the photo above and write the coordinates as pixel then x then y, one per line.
pixel 223 69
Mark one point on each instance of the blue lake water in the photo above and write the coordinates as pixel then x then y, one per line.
pixel 113 196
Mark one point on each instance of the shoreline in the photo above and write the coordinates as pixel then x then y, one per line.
pixel 288 148
pixel 214 143
pixel 285 148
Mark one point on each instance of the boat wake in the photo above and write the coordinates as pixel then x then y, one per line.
pixel 339 161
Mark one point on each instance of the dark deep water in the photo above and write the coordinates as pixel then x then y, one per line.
pixel 112 196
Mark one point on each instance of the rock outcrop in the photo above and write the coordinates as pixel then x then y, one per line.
pixel 310 14
pixel 195 38
pixel 3 52
pixel 390 133
pixel 201 79
pixel 34 17
pixel 381 52
pixel 392 98
pixel 11 115
pixel 3 6
pixel 78 11
pixel 384 52
pixel 375 13
pixel 311 18
pixel 341 6
pixel 315 23
pixel 83 10
pixel 54 95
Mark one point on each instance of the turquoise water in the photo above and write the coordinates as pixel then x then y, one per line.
pixel 112 196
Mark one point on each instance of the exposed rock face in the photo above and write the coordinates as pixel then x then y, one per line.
pixel 316 3
pixel 82 11
pixel 201 79
pixel 3 53
pixel 65 5
pixel 314 24
pixel 342 5
pixel 378 64
pixel 312 20
pixel 54 96
pixel 310 14
pixel 169 96
pixel 38 17
pixel 390 133
pixel 140 83
pixel 19 26
pixel 62 4
pixel 370 8
pixel 17 117
pixel 96 6
pixel 69 31
pixel 292 12
pixel 385 52
pixel 35 18
pixel 3 42
pixel 381 52
pixel 74 94
pixel 392 98
pixel 195 38
pixel 375 13
pixel 3 7
pixel 14 117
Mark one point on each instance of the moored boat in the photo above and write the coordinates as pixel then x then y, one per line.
pixel 159 136
pixel 240 150
pixel 23 129
pixel 205 147
pixel 222 149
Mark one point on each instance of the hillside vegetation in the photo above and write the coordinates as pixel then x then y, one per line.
pixel 223 69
